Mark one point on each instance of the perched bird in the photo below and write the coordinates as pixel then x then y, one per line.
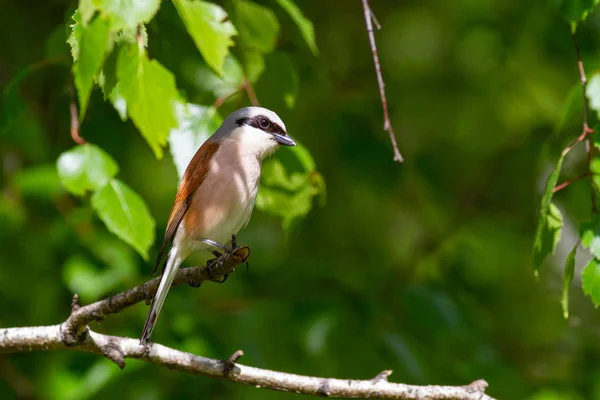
pixel 217 192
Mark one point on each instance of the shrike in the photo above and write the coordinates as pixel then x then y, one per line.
pixel 217 192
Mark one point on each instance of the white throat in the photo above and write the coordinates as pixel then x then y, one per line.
pixel 253 142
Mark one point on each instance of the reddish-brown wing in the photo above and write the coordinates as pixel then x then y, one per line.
pixel 192 179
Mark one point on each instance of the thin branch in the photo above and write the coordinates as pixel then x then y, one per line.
pixel 74 116
pixel 221 100
pixel 568 182
pixel 586 111
pixel 44 338
pixel 387 125
pixel 251 93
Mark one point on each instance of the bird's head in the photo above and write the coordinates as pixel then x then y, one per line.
pixel 257 129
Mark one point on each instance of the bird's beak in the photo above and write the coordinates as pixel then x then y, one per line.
pixel 284 140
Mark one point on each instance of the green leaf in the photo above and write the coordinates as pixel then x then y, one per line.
pixel 196 124
pixel 87 10
pixel 593 92
pixel 225 85
pixel 288 185
pixel 127 14
pixel 74 38
pixel 107 78
pixel 85 167
pixel 551 234
pixel 539 251
pixel 288 206
pixel 575 11
pixel 95 41
pixel 208 26
pixel 567 279
pixel 125 214
pixel 150 94
pixel 257 25
pixel 590 280
pixel 306 27
pixel 590 236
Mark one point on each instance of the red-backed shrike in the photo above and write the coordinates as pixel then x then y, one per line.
pixel 217 192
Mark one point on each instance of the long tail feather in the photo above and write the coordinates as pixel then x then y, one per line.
pixel 173 262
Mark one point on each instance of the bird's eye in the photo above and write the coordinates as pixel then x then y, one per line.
pixel 264 123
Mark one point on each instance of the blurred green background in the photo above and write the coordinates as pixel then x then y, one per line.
pixel 422 267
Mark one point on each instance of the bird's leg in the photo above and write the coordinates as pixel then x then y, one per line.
pixel 217 245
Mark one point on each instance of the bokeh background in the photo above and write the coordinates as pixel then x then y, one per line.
pixel 422 267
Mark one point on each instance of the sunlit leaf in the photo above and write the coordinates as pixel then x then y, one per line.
pixel 76 31
pixel 196 124
pixel 575 11
pixel 257 25
pixel 227 84
pixel 85 167
pixel 590 236
pixel 125 214
pixel 593 92
pixel 539 250
pixel 590 280
pixel 208 26
pixel 306 27
pixel 86 9
pixel 288 185
pixel 95 40
pixel 127 13
pixel 107 78
pixel 551 234
pixel 150 93
pixel 567 279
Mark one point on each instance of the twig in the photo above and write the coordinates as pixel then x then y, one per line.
pixel 387 125
pixel 44 338
pixel 251 93
pixel 74 116
pixel 586 112
pixel 568 182
pixel 221 100
pixel 74 329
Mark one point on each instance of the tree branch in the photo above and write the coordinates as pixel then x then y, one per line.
pixel 387 124
pixel 73 334
pixel 44 338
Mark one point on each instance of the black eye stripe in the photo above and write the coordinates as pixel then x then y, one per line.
pixel 256 123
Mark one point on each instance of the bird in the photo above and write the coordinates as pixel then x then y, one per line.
pixel 216 194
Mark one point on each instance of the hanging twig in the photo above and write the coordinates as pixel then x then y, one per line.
pixel 74 116
pixel 250 91
pixel 387 125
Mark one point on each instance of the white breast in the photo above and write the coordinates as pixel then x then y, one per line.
pixel 227 195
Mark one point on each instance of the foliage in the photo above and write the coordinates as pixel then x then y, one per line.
pixel 423 268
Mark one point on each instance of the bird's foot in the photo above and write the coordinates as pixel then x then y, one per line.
pixel 234 247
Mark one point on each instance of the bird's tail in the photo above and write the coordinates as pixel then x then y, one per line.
pixel 174 260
